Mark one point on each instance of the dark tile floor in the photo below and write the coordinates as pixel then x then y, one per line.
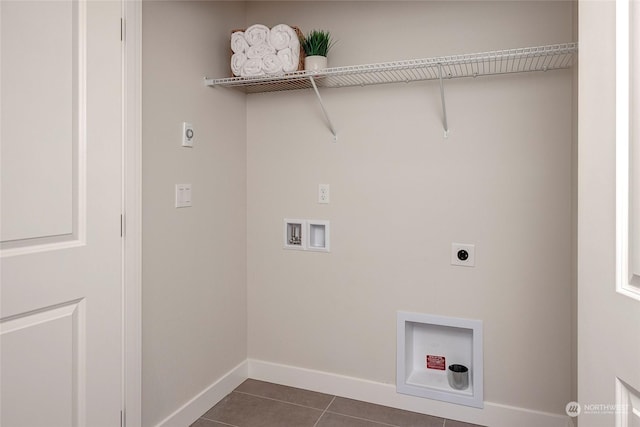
pixel 260 404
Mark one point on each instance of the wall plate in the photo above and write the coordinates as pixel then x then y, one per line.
pixel 183 195
pixel 323 193
pixel 463 254
pixel 188 135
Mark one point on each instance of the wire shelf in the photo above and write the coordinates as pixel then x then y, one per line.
pixel 528 59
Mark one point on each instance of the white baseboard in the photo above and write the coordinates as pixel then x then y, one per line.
pixel 203 401
pixel 493 414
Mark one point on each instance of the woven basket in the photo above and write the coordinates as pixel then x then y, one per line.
pixel 302 55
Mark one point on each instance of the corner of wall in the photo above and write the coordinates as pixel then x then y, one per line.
pixel 574 214
pixel 194 259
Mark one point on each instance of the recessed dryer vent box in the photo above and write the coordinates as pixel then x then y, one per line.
pixel 425 342
pixel 318 235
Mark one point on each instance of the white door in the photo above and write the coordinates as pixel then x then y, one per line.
pixel 608 216
pixel 61 308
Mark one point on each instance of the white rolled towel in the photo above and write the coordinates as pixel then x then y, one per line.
pixel 294 44
pixel 257 34
pixel 282 36
pixel 238 42
pixel 237 61
pixel 289 60
pixel 252 68
pixel 272 65
pixel 260 51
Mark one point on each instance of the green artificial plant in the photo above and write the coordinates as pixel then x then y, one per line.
pixel 317 42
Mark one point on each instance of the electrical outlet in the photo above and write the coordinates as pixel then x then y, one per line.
pixel 323 193
pixel 463 254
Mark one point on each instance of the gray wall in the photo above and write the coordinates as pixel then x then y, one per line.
pixel 401 194
pixel 194 261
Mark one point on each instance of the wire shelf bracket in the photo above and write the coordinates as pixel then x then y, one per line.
pixel 444 105
pixel 519 60
pixel 324 110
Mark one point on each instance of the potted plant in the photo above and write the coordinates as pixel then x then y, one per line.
pixel 316 45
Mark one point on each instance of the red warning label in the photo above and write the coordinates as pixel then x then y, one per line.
pixel 436 362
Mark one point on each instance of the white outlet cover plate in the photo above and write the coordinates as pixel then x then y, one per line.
pixel 471 250
pixel 323 193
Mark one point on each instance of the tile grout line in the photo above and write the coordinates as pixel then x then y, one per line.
pixel 313 408
pixel 324 412
pixel 332 399
pixel 276 400
pixel 219 422
pixel 362 419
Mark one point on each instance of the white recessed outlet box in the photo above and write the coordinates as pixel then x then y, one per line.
pixel 463 254
pixel 428 346
pixel 323 193
pixel 306 235
pixel 183 195
pixel 187 135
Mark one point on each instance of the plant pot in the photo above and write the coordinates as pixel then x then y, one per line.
pixel 315 63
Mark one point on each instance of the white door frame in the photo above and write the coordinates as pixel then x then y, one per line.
pixel 627 274
pixel 132 203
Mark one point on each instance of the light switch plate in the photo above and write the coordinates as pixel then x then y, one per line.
pixel 183 195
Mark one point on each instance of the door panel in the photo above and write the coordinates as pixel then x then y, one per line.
pixel 40 54
pixel 49 384
pixel 608 304
pixel 61 306
pixel 628 402
pixel 633 227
